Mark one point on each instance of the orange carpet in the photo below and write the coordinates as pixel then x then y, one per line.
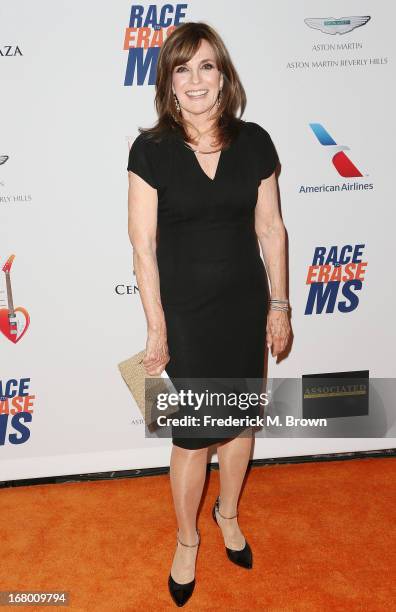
pixel 322 535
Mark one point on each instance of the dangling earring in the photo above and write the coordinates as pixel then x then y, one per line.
pixel 177 103
pixel 218 101
pixel 220 91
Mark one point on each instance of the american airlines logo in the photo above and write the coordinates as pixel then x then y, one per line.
pixel 342 163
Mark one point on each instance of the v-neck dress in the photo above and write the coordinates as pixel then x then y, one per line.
pixel 212 278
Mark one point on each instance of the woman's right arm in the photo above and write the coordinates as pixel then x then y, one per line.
pixel 142 230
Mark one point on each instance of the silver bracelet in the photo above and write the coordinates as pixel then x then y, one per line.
pixel 279 304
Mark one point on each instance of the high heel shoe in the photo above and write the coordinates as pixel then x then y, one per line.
pixel 244 557
pixel 182 592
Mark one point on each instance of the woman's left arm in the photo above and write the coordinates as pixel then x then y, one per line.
pixel 271 234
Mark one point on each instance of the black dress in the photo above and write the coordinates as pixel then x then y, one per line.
pixel 212 278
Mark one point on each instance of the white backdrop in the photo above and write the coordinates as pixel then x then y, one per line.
pixel 66 124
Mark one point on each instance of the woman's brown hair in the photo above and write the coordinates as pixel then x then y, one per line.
pixel 178 49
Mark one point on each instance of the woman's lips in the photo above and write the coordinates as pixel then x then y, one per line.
pixel 196 96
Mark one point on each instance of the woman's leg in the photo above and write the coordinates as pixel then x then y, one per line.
pixel 187 476
pixel 233 460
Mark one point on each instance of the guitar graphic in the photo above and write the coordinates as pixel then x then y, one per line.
pixel 13 321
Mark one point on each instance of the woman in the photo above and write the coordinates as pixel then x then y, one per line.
pixel 204 180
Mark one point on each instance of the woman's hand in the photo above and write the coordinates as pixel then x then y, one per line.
pixel 278 330
pixel 157 355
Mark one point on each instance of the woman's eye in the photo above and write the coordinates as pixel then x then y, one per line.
pixel 206 66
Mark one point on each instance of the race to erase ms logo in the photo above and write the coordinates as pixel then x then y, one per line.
pixel 14 320
pixel 341 162
pixel 335 278
pixel 149 26
pixel 16 411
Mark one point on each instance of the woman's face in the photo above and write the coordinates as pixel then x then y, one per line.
pixel 197 83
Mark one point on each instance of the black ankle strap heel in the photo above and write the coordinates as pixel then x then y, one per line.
pixel 181 593
pixel 244 557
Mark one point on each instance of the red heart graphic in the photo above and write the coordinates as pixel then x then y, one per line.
pixel 12 331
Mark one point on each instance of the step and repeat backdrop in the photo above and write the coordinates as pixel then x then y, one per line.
pixel 77 82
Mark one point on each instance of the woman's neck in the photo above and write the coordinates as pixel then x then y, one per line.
pixel 202 128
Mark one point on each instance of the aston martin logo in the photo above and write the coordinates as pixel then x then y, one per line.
pixel 331 25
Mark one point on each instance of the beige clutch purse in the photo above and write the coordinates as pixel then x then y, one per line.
pixel 145 388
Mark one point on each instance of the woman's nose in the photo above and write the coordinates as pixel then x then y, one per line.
pixel 195 78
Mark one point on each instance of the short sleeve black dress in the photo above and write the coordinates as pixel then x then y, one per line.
pixel 212 278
